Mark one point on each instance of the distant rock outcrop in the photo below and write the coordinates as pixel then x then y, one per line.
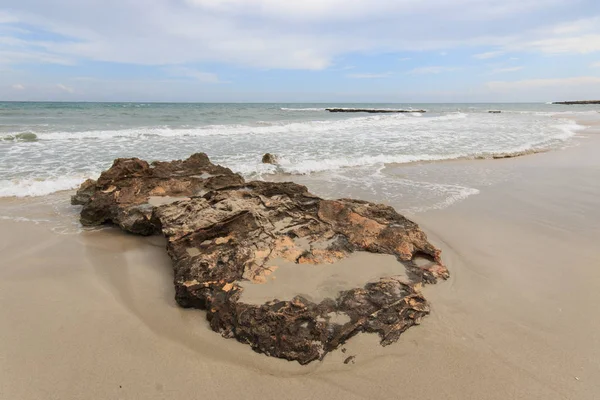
pixel 224 234
pixel 371 110
pixel 578 102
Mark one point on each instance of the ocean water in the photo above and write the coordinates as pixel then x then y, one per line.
pixel 50 147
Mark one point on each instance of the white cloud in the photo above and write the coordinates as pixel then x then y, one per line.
pixel 200 76
pixel 369 75
pixel 432 70
pixel 335 10
pixel 596 65
pixel 488 55
pixel 405 59
pixel 18 86
pixel 308 34
pixel 580 25
pixel 32 57
pixel 507 69
pixel 65 88
pixel 6 18
pixel 543 83
pixel 580 36
pixel 583 44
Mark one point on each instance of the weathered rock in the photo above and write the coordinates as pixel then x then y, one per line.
pixel 269 158
pixel 240 234
pixel 85 193
pixel 371 110
pixel 122 195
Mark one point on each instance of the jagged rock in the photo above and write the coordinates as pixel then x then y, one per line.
pixel 124 193
pixel 237 237
pixel 270 159
pixel 85 193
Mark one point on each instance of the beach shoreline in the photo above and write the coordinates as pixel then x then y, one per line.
pixel 91 314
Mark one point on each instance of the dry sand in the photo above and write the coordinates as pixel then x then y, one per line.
pixel 92 316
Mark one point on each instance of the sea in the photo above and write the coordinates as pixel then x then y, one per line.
pixel 47 147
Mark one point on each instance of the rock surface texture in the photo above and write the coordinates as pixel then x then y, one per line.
pixel 123 195
pixel 223 233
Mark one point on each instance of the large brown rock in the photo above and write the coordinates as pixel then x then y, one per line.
pixel 239 236
pixel 126 194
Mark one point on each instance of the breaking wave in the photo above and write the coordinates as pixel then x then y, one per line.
pixel 304 148
pixel 39 187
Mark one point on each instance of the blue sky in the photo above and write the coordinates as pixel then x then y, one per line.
pixel 300 51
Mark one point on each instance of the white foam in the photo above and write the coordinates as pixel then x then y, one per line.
pixel 302 109
pixel 303 147
pixel 451 194
pixel 37 187
pixel 308 166
pixel 384 121
pixel 23 219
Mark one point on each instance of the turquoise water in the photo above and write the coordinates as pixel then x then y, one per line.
pixel 48 147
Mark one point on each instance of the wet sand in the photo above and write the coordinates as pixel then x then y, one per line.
pixel 91 315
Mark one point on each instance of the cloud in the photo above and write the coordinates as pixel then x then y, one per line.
pixel 336 10
pixel 507 69
pixel 6 18
pixel 193 41
pixel 581 36
pixel 32 57
pixel 543 83
pixel 309 34
pixel 596 65
pixel 18 86
pixel 432 70
pixel 488 55
pixel 65 88
pixel 583 44
pixel 579 25
pixel 200 76
pixel 369 75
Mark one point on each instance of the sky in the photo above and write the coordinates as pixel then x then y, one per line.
pixel 300 50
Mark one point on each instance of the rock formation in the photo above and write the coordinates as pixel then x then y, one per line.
pixel 579 102
pixel 124 194
pixel 224 234
pixel 371 110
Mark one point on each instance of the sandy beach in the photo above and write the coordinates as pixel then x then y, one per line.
pixel 91 315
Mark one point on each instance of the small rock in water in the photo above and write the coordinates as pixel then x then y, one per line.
pixel 270 159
